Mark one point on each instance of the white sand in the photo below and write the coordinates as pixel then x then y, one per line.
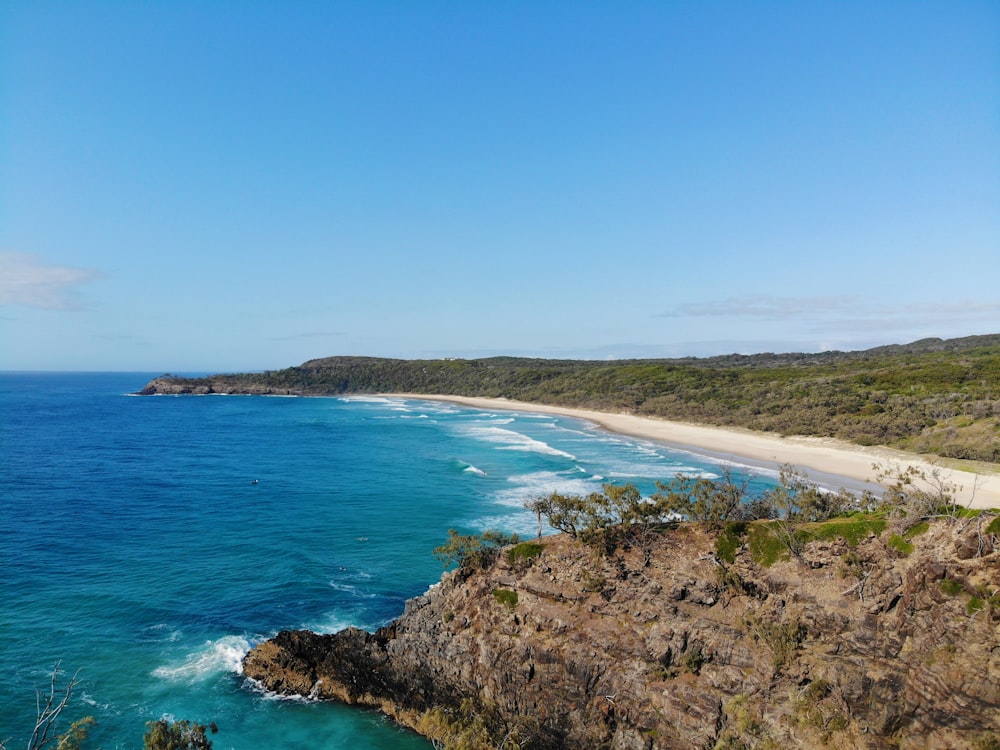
pixel 814 456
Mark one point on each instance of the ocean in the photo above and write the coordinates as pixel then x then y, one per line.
pixel 149 542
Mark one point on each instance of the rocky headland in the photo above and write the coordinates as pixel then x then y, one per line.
pixel 877 638
pixel 218 385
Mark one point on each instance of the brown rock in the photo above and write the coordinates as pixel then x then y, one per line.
pixel 810 659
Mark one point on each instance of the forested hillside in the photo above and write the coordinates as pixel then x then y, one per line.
pixel 932 396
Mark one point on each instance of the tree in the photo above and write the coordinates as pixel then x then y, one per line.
pixel 603 520
pixel 713 502
pixel 50 706
pixel 473 551
pixel 177 735
pixel 798 500
pixel 160 735
pixel 565 513
pixel 913 494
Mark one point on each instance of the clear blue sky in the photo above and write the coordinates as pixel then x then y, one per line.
pixel 220 186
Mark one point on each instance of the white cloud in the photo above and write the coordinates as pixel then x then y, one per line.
pixel 844 313
pixel 26 279
pixel 764 306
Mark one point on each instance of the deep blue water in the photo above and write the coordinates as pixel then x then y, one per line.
pixel 138 550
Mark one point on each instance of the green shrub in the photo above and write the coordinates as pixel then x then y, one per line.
pixel 853 530
pixel 506 597
pixel 951 587
pixel 899 544
pixel 729 541
pixel 766 547
pixel 524 551
pixel 693 660
pixel 177 735
pixel 593 582
pixel 473 551
pixel 994 526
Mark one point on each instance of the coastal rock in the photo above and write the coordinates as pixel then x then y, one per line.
pixel 668 657
pixel 234 385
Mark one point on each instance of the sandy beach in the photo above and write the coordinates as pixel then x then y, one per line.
pixel 823 460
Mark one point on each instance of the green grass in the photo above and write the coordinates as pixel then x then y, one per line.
pixel 915 531
pixel 772 541
pixel 951 587
pixel 766 547
pixel 994 526
pixel 524 551
pixel 899 544
pixel 729 541
pixel 959 512
pixel 854 529
pixel 506 597
pixel 975 604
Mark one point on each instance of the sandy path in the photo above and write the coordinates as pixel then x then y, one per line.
pixel 822 459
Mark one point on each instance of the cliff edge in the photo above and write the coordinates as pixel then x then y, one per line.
pixel 691 639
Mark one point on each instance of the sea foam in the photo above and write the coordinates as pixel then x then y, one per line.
pixel 214 657
pixel 515 441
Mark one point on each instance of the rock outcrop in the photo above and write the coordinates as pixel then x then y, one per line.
pixel 234 385
pixel 870 646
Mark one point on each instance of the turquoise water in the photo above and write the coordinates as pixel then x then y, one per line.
pixel 149 542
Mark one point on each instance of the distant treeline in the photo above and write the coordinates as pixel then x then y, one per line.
pixel 931 396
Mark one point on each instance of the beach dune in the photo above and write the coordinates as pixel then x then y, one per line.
pixel 824 460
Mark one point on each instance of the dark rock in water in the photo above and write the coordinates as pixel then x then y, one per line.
pixel 802 654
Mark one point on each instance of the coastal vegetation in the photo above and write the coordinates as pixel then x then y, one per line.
pixel 162 734
pixel 932 396
pixel 779 525
pixel 473 551
pixel 699 616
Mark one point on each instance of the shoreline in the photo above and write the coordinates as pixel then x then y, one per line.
pixel 823 460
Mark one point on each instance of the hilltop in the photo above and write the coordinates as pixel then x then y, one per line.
pixel 933 396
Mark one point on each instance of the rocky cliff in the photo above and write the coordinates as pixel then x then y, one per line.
pixel 236 385
pixel 892 642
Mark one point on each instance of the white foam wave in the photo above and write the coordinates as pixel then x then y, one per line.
pixel 162 632
pixel 332 623
pixel 352 590
pixel 541 483
pixel 89 700
pixel 369 399
pixel 524 525
pixel 470 469
pixel 270 695
pixel 515 441
pixel 441 409
pixel 214 657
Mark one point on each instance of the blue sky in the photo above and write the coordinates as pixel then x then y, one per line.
pixel 220 186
